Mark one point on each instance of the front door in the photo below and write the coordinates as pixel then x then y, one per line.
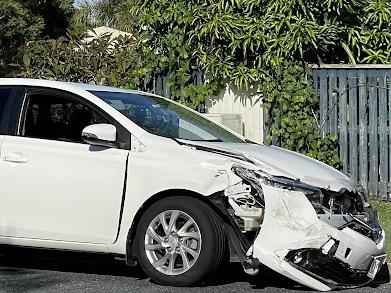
pixel 54 186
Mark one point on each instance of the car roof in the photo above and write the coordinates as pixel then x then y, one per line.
pixel 62 84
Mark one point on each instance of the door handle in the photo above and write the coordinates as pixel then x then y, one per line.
pixel 16 158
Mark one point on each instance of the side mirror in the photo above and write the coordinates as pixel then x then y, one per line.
pixel 100 134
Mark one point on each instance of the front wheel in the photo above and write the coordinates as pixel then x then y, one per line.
pixel 179 241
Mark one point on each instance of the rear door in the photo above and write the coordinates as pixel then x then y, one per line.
pixel 55 186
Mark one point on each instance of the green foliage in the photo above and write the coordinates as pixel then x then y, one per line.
pixel 253 45
pixel 22 21
pixel 55 14
pixel 292 105
pixel 101 61
pixel 384 209
pixel 17 25
pixel 370 39
pixel 82 20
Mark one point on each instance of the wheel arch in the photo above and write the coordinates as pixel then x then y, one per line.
pixel 131 258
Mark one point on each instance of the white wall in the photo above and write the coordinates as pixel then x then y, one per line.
pixel 245 103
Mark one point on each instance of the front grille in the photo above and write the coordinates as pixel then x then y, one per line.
pixel 325 268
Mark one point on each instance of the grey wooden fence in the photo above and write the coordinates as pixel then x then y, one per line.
pixel 355 104
pixel 158 84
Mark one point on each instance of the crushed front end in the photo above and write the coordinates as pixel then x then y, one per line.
pixel 320 238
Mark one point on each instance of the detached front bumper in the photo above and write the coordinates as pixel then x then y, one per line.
pixel 293 241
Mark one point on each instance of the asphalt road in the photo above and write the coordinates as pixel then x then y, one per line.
pixel 24 270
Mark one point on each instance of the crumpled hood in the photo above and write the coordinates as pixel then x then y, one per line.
pixel 280 162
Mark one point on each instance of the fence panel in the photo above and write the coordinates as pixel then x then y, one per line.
pixel 343 116
pixel 383 141
pixel 373 147
pixel 363 127
pixel 355 104
pixel 333 110
pixel 353 149
pixel 323 93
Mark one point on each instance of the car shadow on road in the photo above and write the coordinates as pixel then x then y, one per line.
pixel 24 269
pixel 64 261
pixel 266 278
pixel 21 261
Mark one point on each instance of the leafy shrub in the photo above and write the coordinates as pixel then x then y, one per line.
pixel 100 61
pixel 22 21
pixel 292 107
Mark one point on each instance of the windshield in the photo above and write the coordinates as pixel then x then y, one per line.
pixel 164 118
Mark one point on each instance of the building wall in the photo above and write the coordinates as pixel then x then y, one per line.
pixel 244 103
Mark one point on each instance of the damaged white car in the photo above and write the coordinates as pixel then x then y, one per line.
pixel 99 169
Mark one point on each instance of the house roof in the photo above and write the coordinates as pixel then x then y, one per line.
pixel 104 30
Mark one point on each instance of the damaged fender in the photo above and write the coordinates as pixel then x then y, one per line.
pixel 291 224
pixel 320 246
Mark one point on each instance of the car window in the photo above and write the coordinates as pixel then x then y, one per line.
pixel 11 99
pixel 4 94
pixel 4 97
pixel 164 118
pixel 57 118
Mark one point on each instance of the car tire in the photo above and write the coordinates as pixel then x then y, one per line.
pixel 182 253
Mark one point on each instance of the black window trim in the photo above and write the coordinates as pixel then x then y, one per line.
pixel 22 112
pixel 123 135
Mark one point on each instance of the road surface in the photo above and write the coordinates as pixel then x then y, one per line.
pixel 26 270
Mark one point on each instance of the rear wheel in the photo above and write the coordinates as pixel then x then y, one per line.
pixel 179 241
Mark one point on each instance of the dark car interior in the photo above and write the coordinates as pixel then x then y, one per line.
pixel 57 118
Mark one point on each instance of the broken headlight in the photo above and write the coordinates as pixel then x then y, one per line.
pixel 249 175
pixel 255 178
pixel 246 200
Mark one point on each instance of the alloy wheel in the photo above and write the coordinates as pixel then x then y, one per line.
pixel 173 242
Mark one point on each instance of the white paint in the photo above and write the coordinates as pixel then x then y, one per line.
pixel 102 131
pixel 245 103
pixel 281 162
pixel 63 191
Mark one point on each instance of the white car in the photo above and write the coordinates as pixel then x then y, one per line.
pixel 100 169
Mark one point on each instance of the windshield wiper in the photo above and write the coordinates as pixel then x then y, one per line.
pixel 235 155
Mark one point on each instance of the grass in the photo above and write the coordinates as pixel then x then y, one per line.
pixel 384 209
